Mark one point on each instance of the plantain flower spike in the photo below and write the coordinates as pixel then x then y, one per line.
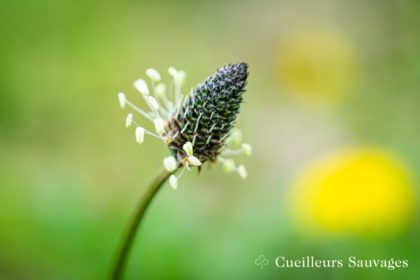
pixel 198 127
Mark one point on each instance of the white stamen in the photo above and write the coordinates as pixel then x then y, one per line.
pixel 169 163
pixel 153 74
pixel 194 161
pixel 161 90
pixel 229 152
pixel 141 86
pixel 180 77
pixel 236 136
pixel 242 172
pixel 139 134
pixel 138 110
pixel 229 165
pixel 182 172
pixel 180 100
pixel 173 181
pixel 188 148
pixel 148 132
pixel 153 103
pixel 172 71
pixel 163 112
pixel 129 120
pixel 247 149
pixel 122 100
pixel 159 126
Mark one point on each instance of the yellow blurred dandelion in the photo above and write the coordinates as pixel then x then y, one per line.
pixel 363 192
pixel 317 66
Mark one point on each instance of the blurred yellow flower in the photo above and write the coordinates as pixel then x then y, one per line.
pixel 363 192
pixel 317 65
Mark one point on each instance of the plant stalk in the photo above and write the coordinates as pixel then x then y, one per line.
pixel 130 233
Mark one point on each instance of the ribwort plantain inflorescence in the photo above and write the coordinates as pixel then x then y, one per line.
pixel 197 127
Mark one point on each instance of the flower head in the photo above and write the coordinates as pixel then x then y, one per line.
pixel 364 192
pixel 197 127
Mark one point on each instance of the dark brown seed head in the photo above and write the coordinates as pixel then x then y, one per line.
pixel 208 114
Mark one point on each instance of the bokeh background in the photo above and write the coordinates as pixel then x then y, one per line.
pixel 332 112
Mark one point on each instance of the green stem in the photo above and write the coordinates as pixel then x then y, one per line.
pixel 130 233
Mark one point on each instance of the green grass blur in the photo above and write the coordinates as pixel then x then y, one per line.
pixel 71 173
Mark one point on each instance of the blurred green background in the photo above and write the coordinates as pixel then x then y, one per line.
pixel 324 76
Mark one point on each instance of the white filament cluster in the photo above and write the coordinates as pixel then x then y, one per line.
pixel 163 103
